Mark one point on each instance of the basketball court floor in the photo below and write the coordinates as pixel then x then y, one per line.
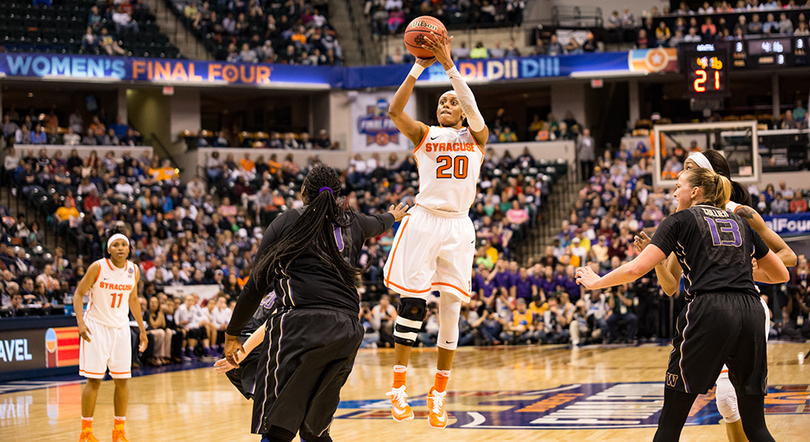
pixel 597 393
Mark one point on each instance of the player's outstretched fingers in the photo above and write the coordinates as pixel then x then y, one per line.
pixel 222 366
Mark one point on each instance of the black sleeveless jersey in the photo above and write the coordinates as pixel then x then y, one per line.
pixel 714 248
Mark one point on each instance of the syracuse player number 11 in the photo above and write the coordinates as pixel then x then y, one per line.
pixel 120 298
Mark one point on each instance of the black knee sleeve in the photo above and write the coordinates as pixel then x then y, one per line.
pixel 410 314
pixel 278 434
pixel 676 409
pixel 753 417
pixel 312 438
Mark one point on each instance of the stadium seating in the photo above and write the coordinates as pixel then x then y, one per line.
pixel 59 29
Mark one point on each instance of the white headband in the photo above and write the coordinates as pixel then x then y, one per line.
pixel 451 91
pixel 114 237
pixel 701 160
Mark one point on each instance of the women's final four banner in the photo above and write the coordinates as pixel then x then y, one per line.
pixel 180 72
pixel 789 224
pixel 200 72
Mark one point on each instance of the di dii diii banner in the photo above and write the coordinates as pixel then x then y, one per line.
pixel 202 72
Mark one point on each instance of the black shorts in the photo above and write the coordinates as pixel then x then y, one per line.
pixel 716 329
pixel 309 357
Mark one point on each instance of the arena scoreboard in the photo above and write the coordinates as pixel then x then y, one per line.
pixel 770 52
pixel 705 68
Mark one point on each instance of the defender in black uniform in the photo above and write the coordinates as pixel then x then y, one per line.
pixel 723 321
pixel 309 255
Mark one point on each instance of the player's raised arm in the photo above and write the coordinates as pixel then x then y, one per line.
pixel 414 130
pixel 440 47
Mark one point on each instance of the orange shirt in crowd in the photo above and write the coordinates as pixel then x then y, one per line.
pixel 248 164
pixel 98 129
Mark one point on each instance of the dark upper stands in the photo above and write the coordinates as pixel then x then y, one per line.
pixel 59 29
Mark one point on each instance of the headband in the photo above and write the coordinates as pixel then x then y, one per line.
pixel 701 160
pixel 451 91
pixel 114 237
pixel 326 188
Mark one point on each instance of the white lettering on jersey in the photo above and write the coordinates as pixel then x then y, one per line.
pixel 449 162
pixel 109 295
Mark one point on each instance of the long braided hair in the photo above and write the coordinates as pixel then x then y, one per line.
pixel 315 226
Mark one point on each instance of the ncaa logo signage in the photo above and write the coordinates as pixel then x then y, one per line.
pixel 377 126
pixel 577 406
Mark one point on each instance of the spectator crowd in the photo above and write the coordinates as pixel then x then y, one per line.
pixel 710 22
pixel 391 16
pixel 37 127
pixel 206 233
pixel 289 32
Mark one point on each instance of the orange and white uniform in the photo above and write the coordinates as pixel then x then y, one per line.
pixel 434 248
pixel 107 318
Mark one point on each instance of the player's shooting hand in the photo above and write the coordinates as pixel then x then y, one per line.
pixel 144 341
pixel 400 211
pixel 641 241
pixel 425 62
pixel 439 45
pixel 587 278
pixel 84 332
pixel 223 366
pixel 232 346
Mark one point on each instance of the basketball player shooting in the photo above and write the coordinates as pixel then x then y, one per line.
pixel 434 248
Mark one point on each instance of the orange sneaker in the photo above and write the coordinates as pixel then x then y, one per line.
pixel 435 403
pixel 400 410
pixel 87 436
pixel 119 436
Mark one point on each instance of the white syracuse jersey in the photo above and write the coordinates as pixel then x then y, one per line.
pixel 449 162
pixel 109 295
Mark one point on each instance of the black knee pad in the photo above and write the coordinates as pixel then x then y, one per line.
pixel 305 437
pixel 278 434
pixel 410 314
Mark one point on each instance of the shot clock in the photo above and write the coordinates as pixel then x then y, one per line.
pixel 705 68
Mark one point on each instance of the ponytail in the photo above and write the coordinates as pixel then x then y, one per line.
pixel 739 194
pixel 722 191
pixel 316 225
pixel 716 188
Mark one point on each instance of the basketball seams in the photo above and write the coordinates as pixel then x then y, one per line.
pixel 422 25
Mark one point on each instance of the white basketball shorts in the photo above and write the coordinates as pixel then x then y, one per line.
pixel 431 252
pixel 108 348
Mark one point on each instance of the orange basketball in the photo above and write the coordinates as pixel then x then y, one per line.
pixel 418 30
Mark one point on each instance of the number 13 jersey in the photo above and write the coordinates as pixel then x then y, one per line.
pixel 714 248
pixel 449 162
pixel 109 295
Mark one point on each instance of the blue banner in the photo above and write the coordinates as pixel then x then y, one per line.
pixel 789 224
pixel 199 72
pixel 493 69
pixel 181 72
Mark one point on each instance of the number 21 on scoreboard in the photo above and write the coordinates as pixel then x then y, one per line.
pixel 702 77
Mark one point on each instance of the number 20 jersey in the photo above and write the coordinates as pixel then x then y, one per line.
pixel 109 295
pixel 449 162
